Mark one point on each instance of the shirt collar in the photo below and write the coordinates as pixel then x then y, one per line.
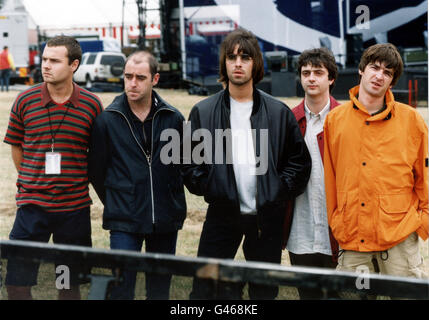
pixel 46 97
pixel 310 114
pixel 154 107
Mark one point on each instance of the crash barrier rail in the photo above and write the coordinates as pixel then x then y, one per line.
pixel 358 285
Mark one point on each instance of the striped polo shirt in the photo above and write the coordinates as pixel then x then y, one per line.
pixel 35 120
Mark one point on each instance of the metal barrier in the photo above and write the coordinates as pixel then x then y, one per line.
pixel 215 269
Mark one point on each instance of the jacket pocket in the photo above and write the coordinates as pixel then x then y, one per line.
pixel 271 190
pixel 397 217
pixel 395 203
pixel 120 200
pixel 338 222
pixel 281 190
pixel 217 191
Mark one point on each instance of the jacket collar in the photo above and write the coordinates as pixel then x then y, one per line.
pixel 389 101
pixel 120 103
pixel 299 110
pixel 256 99
pixel 46 97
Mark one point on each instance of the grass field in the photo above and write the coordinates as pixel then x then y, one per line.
pixel 188 237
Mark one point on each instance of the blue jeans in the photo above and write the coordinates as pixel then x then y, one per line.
pixel 157 285
pixel 4 78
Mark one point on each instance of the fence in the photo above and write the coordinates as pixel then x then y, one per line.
pixel 349 285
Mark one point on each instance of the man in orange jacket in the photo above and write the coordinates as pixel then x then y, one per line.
pixel 376 171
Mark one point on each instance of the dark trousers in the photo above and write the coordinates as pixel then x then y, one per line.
pixel 317 260
pixel 221 238
pixel 4 78
pixel 157 285
pixel 33 223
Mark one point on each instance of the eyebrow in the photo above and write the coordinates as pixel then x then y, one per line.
pixel 379 65
pixel 137 75
pixel 51 58
pixel 240 50
pixel 312 69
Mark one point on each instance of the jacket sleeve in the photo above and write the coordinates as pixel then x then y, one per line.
pixel 296 169
pixel 98 157
pixel 194 175
pixel 330 181
pixel 421 183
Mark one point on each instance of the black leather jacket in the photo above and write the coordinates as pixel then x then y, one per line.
pixel 289 162
pixel 140 194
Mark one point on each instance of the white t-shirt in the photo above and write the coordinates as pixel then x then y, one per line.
pixel 243 155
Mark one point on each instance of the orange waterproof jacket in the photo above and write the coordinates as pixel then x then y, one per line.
pixel 376 174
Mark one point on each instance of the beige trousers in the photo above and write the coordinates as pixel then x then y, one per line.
pixel 404 259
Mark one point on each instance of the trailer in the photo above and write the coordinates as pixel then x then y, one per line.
pixel 14 34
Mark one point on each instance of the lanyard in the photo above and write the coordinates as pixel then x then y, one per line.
pixel 53 134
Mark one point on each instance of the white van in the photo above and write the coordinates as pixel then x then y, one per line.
pixel 100 67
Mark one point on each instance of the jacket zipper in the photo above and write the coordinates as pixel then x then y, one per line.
pixel 150 164
pixel 148 158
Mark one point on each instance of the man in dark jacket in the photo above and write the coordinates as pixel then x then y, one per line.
pixel 143 196
pixel 258 160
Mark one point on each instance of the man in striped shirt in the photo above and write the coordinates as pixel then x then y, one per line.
pixel 49 130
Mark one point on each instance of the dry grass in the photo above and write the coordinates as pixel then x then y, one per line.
pixel 188 237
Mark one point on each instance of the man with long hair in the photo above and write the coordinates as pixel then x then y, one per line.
pixel 258 162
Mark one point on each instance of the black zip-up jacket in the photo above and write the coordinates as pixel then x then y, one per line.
pixel 289 162
pixel 140 194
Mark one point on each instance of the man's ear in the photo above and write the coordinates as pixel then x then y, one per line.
pixel 75 65
pixel 155 79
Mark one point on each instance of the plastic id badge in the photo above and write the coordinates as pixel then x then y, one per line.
pixel 53 163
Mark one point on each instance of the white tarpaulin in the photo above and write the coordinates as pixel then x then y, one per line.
pixel 58 14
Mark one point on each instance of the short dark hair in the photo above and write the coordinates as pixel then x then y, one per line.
pixel 385 53
pixel 74 51
pixel 319 57
pixel 153 63
pixel 247 43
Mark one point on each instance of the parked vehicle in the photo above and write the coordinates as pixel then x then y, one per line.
pixel 100 67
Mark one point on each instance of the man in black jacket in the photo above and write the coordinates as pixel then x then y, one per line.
pixel 256 161
pixel 143 196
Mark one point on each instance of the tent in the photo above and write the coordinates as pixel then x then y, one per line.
pixel 101 17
